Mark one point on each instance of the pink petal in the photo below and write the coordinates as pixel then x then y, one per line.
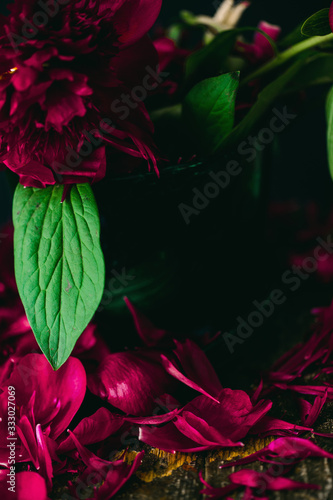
pixel 200 432
pixel 262 480
pixel 24 78
pixel 313 390
pixel 88 457
pixel 169 439
pixel 33 373
pixel 143 14
pixel 119 474
pixel 310 413
pixel 131 381
pixel 275 426
pixel 197 366
pixel 173 371
pixel 292 449
pixel 27 436
pixel 61 110
pixel 234 417
pixel 155 419
pixel 93 429
pixel 44 458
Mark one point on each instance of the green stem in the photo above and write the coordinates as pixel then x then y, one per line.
pixel 288 54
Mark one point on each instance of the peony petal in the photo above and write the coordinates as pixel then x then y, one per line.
pixel 68 384
pixel 116 473
pixel 28 485
pixel 173 371
pixel 131 381
pixel 292 449
pixel 155 419
pixel 24 78
pixel 88 457
pixel 27 436
pixel 93 429
pixel 197 366
pixel 310 413
pixel 44 458
pixel 117 477
pixel 264 481
pixel 201 432
pixel 276 427
pixel 143 14
pixel 234 417
pixel 170 439
pixel 216 493
pixel 61 110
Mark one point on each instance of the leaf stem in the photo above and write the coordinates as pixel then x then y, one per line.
pixel 288 54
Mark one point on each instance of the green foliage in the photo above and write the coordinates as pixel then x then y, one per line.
pixel 59 264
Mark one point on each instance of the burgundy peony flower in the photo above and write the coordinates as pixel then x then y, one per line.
pixel 73 78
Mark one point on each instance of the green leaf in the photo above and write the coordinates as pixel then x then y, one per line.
pixel 318 24
pixel 59 264
pixel 209 110
pixel 329 114
pixel 211 59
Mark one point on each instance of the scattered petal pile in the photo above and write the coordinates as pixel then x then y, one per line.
pixel 164 393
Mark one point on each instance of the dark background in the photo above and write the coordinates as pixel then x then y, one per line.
pixel 303 172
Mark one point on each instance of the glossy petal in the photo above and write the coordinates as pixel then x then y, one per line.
pixel 131 381
pixel 200 374
pixel 93 429
pixel 33 373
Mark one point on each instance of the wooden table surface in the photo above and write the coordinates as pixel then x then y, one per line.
pixel 164 476
pixel 175 477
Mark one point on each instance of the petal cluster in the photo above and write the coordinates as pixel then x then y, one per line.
pixel 65 69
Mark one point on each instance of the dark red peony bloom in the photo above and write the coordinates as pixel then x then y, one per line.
pixel 73 79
